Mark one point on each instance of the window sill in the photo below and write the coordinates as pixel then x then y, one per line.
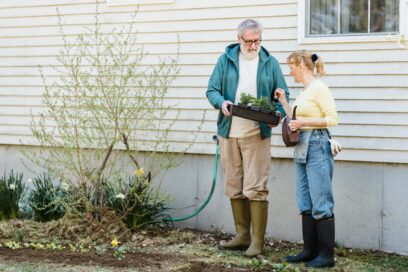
pixel 111 3
pixel 344 39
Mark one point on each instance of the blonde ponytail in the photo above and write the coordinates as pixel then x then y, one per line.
pixel 311 61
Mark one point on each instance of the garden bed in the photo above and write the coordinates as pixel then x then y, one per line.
pixel 171 250
pixel 152 261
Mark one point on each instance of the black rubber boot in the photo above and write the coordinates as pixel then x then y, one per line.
pixel 310 243
pixel 325 234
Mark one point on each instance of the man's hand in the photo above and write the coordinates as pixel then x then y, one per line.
pixel 224 108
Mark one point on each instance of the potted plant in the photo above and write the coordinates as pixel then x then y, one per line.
pixel 258 109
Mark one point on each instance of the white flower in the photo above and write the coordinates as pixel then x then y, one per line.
pixel 121 196
pixel 64 186
pixel 12 186
pixel 30 180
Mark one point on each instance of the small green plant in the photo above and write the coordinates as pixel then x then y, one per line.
pixel 100 250
pixel 84 248
pixel 247 99
pixel 263 103
pixel 37 246
pixel 138 202
pixel 52 246
pixel 285 267
pixel 19 235
pixel 12 245
pixel 46 199
pixel 257 264
pixel 119 253
pixel 72 248
pixel 11 193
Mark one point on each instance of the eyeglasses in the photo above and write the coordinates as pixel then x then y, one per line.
pixel 250 42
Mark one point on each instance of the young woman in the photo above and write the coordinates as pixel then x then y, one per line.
pixel 315 112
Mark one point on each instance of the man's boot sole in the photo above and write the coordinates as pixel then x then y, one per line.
pixel 241 247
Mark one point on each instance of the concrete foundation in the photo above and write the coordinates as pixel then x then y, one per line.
pixel 370 200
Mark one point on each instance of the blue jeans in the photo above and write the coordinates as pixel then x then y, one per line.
pixel 314 176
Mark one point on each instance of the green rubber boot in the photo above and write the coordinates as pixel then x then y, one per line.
pixel 242 220
pixel 259 217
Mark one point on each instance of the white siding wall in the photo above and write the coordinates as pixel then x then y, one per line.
pixel 369 80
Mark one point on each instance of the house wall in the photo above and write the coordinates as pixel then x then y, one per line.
pixel 369 81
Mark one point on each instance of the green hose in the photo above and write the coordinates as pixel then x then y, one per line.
pixel 209 196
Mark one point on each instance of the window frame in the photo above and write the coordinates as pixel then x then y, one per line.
pixel 111 3
pixel 303 39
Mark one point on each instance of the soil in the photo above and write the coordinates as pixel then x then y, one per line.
pixel 156 250
pixel 154 261
pixel 152 249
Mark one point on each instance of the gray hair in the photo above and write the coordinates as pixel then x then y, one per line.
pixel 249 24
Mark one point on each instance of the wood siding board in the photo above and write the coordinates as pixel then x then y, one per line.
pixel 368 80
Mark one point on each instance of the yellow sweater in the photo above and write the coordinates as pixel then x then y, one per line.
pixel 315 102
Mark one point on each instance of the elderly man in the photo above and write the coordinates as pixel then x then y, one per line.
pixel 245 67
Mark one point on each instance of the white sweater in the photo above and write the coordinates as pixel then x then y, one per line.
pixel 240 127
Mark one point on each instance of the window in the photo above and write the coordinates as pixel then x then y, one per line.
pixel 404 18
pixel 136 2
pixel 350 19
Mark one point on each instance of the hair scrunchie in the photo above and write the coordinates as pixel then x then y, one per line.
pixel 314 57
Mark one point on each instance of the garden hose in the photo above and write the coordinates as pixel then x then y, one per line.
pixel 215 138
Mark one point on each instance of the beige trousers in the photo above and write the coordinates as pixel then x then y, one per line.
pixel 246 164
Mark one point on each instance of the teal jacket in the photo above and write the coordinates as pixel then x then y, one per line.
pixel 223 85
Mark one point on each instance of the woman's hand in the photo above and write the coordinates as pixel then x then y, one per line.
pixel 280 95
pixel 296 124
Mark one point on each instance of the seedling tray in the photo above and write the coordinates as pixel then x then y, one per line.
pixel 253 114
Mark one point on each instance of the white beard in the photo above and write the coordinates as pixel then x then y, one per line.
pixel 250 54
